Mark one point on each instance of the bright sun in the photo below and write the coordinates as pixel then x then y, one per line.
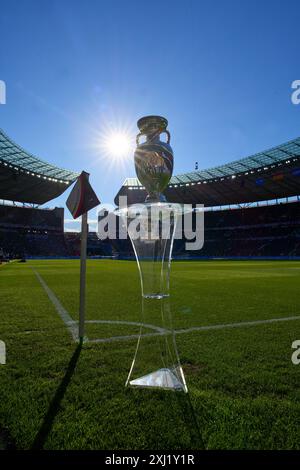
pixel 115 143
pixel 118 144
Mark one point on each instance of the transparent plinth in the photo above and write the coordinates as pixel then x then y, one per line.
pixel 151 228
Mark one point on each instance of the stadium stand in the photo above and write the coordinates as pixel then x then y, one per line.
pixel 268 230
pixel 272 174
pixel 265 231
pixel 31 232
pixel 28 231
pixel 95 247
pixel 24 178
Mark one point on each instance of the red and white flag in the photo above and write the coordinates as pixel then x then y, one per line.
pixel 82 197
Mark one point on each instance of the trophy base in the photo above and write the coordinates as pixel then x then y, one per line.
pixel 162 378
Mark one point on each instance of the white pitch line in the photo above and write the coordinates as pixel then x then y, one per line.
pixel 236 325
pixel 62 312
pixel 195 328
pixel 134 323
pixel 159 331
pixel 121 338
pixel 72 325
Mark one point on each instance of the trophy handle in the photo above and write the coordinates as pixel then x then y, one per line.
pixel 138 138
pixel 164 131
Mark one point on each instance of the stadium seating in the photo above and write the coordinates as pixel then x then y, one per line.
pixel 30 232
pixel 270 230
pixel 263 231
pixel 27 231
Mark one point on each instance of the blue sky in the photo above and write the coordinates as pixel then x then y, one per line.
pixel 221 72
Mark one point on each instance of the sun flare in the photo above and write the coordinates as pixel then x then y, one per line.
pixel 114 143
pixel 118 144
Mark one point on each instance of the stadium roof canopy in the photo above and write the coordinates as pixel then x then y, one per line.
pixel 271 174
pixel 26 178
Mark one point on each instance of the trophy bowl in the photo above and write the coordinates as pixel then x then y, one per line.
pixel 153 158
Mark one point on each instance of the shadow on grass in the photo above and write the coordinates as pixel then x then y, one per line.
pixel 6 442
pixel 191 421
pixel 53 409
pixel 167 419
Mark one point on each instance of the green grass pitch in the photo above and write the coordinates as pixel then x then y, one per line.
pixel 243 388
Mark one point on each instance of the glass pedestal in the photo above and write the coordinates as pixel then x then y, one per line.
pixel 151 228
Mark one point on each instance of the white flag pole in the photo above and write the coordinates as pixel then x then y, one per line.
pixel 84 235
pixel 82 198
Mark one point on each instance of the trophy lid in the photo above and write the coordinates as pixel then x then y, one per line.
pixel 152 124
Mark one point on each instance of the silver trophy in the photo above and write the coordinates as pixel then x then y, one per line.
pixel 153 158
pixel 156 362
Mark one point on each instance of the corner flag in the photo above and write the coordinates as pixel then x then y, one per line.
pixel 82 197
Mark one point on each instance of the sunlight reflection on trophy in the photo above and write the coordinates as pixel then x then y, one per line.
pixel 153 158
